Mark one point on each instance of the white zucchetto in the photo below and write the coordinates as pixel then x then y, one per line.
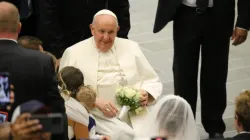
pixel 105 12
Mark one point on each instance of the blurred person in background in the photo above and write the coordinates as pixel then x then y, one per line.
pixel 242 116
pixel 202 31
pixel 28 16
pixel 33 107
pixel 21 128
pixel 34 43
pixel 31 72
pixel 30 42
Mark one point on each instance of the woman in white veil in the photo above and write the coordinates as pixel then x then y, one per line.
pixel 172 118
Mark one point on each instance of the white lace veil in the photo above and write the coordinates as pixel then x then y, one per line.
pixel 172 117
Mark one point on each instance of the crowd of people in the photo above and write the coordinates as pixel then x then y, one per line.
pixel 59 63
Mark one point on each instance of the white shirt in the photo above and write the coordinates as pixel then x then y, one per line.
pixel 192 3
pixel 244 132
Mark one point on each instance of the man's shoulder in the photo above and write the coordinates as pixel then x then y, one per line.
pixel 33 57
pixel 126 41
pixel 37 55
pixel 79 45
pixel 128 44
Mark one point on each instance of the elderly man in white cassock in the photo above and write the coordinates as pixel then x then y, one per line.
pixel 107 61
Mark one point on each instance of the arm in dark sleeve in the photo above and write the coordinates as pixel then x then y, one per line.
pixel 121 9
pixel 54 99
pixel 243 19
pixel 52 34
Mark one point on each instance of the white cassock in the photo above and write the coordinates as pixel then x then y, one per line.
pixel 124 63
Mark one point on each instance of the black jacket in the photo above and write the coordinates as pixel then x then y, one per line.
pixel 33 75
pixel 224 11
pixel 243 136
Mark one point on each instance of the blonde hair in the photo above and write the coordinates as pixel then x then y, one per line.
pixel 87 96
pixel 242 109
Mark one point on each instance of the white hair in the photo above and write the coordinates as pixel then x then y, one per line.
pixel 105 12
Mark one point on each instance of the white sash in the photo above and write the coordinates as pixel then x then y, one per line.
pixel 76 112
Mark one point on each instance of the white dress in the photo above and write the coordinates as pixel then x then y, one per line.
pixel 109 77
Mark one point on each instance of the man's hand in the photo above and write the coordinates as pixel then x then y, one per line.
pixel 239 36
pixel 23 128
pixel 107 108
pixel 105 138
pixel 144 97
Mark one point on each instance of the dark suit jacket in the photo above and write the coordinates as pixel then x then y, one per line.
pixel 33 75
pixel 243 136
pixel 224 11
pixel 63 23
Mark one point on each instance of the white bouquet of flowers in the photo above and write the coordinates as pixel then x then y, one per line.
pixel 129 99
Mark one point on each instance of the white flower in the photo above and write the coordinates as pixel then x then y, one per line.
pixel 138 96
pixel 120 92
pixel 138 110
pixel 130 93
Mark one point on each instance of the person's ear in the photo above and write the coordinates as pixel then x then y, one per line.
pixel 40 48
pixel 91 26
pixel 118 28
pixel 19 27
pixel 237 121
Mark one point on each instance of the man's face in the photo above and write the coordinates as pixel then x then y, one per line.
pixel 104 29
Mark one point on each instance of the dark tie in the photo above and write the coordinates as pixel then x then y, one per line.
pixel 202 4
pixel 24 9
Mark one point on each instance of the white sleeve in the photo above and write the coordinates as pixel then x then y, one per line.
pixel 150 80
